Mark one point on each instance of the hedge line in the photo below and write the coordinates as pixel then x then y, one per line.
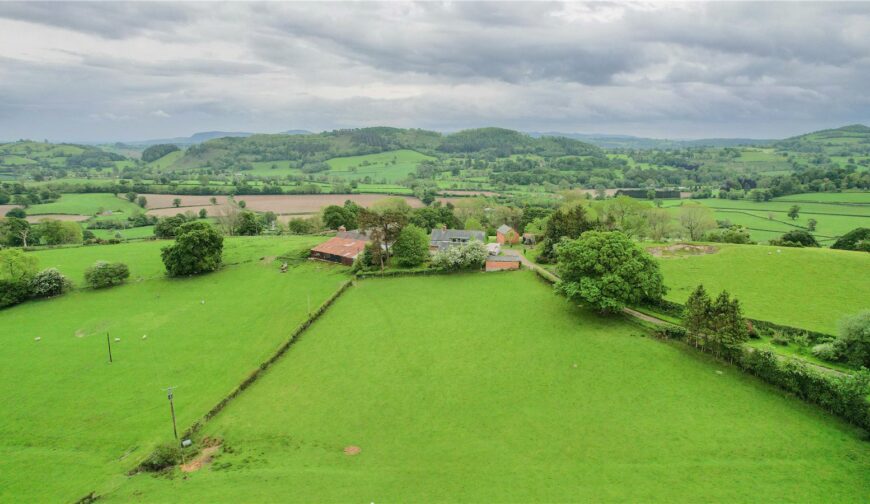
pixel 401 273
pixel 256 374
pixel 678 310
pixel 844 395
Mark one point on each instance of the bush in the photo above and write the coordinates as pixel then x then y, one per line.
pixel 796 238
pixel 104 274
pixel 826 351
pixel 47 283
pixel 854 340
pixel 670 331
pixel 411 247
pixel 733 234
pixel 468 256
pixel 198 249
pixel 13 292
pixel 853 240
pixel 163 457
pixel 779 339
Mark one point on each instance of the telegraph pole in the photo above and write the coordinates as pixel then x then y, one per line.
pixel 172 409
pixel 109 344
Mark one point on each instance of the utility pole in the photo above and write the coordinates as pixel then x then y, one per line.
pixel 109 343
pixel 172 410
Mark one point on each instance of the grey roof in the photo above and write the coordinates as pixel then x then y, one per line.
pixel 445 238
pixel 505 229
pixel 353 234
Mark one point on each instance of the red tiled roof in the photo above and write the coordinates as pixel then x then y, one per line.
pixel 344 247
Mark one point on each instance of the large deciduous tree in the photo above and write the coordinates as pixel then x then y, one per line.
pixel 198 249
pixel 383 226
pixel 696 220
pixel 564 223
pixel 411 247
pixel 607 270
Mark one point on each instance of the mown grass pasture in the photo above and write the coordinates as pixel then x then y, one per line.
pixel 799 287
pixel 73 423
pixel 390 166
pixel 84 204
pixel 835 213
pixel 490 388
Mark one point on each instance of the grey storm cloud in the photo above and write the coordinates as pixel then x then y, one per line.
pixel 101 71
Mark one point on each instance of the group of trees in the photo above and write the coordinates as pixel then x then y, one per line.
pixel 20 278
pixel 857 239
pixel 716 326
pixel 18 232
pixel 853 343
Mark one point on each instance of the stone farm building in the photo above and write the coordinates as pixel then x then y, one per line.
pixel 342 248
pixel 502 262
pixel 442 239
pixel 506 234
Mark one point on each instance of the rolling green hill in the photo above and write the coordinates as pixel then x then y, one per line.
pixel 55 159
pixel 853 139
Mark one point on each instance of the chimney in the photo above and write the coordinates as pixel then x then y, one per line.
pixel 342 229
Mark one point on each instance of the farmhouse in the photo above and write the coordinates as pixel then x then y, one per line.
pixel 502 262
pixel 506 234
pixel 343 248
pixel 442 239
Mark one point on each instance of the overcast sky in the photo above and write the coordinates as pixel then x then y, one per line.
pixel 125 71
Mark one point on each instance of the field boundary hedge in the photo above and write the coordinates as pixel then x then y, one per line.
pixel 263 367
pixel 675 309
pixel 843 395
pixel 403 273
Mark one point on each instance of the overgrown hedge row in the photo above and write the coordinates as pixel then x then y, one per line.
pixel 254 376
pixel 677 310
pixel 401 273
pixel 844 394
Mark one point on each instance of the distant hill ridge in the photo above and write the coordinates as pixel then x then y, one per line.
pixel 852 139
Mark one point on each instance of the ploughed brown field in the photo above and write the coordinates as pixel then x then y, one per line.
pixel 6 208
pixel 290 204
pixel 60 217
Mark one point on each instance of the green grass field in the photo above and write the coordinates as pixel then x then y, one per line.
pixel 84 204
pixel 73 423
pixel 126 234
pixel 827 197
pixel 490 388
pixel 807 288
pixel 391 166
pixel 144 261
pixel 836 214
pixel 167 160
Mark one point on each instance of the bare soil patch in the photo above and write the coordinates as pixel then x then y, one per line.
pixel 60 217
pixel 682 250
pixel 205 457
pixel 352 450
pixel 161 204
pixel 6 208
